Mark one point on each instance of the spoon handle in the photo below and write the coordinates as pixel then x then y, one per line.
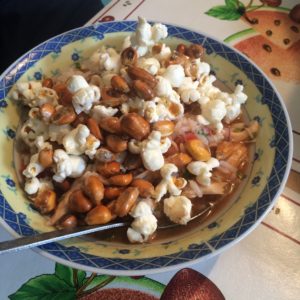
pixel 52 236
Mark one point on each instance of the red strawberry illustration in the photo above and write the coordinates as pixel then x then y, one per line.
pixel 107 19
pixel 188 284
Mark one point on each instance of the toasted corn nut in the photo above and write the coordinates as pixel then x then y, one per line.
pixel 80 119
pixel 104 155
pixel 172 150
pixel 136 73
pixel 132 161
pixel 135 126
pixel 165 127
pixel 109 169
pixel 79 203
pixel 156 49
pixel 98 215
pixel 126 201
pixel 112 192
pixel 181 48
pixel 129 56
pixel 234 153
pixel 197 150
pixel 111 124
pixel 191 70
pixel 47 110
pixel 111 98
pixel 63 186
pixel 116 143
pixel 47 82
pixel 143 90
pixel 111 207
pixel 64 95
pixel 45 201
pixel 94 128
pixel 64 115
pixel 121 180
pixel 177 59
pixel 94 189
pixel 179 159
pixel 195 51
pixel 179 182
pixel 68 221
pixel 119 84
pixel 46 157
pixel 146 188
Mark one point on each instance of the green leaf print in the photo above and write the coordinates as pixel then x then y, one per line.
pixel 65 274
pixel 223 12
pixel 74 278
pixel 46 287
pixel 232 3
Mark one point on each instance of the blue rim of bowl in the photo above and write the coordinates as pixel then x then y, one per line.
pixel 72 256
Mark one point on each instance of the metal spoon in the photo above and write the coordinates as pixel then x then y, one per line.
pixel 62 234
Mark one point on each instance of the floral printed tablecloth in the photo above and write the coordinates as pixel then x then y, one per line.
pixel 265 265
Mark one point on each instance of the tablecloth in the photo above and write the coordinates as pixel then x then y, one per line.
pixel 264 265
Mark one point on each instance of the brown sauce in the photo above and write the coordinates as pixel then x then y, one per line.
pixel 220 203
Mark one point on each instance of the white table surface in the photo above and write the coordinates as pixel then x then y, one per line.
pixel 264 265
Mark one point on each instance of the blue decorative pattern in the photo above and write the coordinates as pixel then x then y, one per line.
pixel 195 251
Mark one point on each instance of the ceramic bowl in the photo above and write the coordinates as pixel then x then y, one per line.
pixel 270 166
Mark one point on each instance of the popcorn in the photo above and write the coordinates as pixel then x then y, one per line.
pixel 178 209
pixel 188 90
pixel 163 87
pixel 84 99
pixel 105 59
pixel 214 111
pixel 167 183
pixel 175 75
pixel 41 144
pixel 198 69
pixel 234 109
pixel 146 36
pixel 32 185
pixel 99 112
pixel 151 150
pixel 67 165
pixel 33 94
pixel 34 168
pixel 165 108
pixel 203 170
pixel 135 104
pixel 84 95
pixel 58 132
pixel 164 54
pixel 159 32
pixel 151 65
pixel 76 83
pixel 144 224
pixel 80 141
pixel 33 128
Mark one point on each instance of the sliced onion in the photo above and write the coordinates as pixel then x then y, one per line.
pixel 216 188
pixel 196 188
pixel 182 148
pixel 226 133
pixel 203 139
pixel 227 166
pixel 214 140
